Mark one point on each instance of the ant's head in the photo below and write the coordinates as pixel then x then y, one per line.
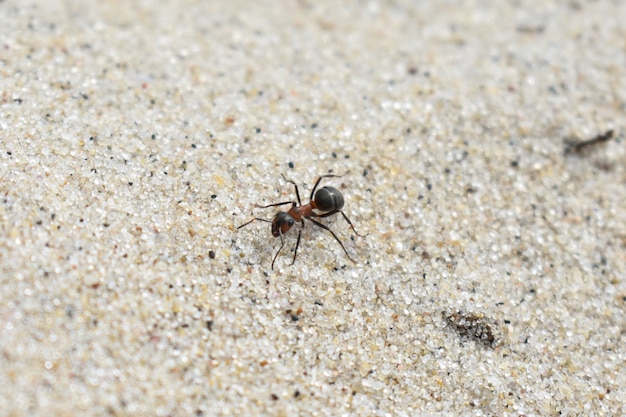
pixel 282 223
pixel 328 199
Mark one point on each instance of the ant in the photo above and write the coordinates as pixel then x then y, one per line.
pixel 327 199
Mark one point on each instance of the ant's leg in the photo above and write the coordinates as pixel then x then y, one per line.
pixel 335 236
pixel 318 182
pixel 297 243
pixel 282 243
pixel 296 187
pixel 275 204
pixel 256 218
pixel 350 223
pixel 330 213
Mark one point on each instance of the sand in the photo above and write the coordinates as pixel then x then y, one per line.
pixel 135 137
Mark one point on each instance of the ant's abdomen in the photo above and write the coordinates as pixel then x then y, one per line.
pixel 328 199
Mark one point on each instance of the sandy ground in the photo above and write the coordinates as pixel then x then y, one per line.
pixel 136 136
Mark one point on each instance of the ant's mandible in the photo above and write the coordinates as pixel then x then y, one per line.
pixel 328 200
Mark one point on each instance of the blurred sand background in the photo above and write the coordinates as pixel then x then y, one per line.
pixel 136 136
